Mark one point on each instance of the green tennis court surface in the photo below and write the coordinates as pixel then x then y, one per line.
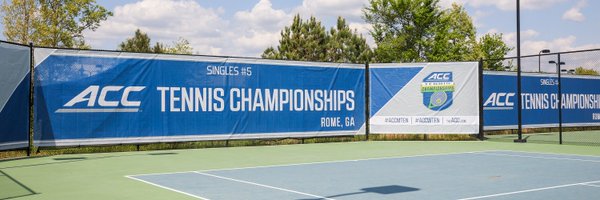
pixel 12 188
pixel 358 170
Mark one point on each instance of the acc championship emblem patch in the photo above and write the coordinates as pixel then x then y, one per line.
pixel 437 89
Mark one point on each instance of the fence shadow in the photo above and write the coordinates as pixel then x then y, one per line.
pixel 382 190
pixel 12 188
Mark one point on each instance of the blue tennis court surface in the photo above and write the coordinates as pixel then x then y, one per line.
pixel 472 175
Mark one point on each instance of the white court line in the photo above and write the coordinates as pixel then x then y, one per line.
pixel 285 165
pixel 262 185
pixel 592 185
pixel 312 163
pixel 543 153
pixel 530 190
pixel 485 152
pixel 167 188
pixel 538 157
pixel 342 161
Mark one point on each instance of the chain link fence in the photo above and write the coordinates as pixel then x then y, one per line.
pixel 575 121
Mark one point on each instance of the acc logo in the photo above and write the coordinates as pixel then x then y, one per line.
pixel 90 97
pixel 437 89
pixel 499 101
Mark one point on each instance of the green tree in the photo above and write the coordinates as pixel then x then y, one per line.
pixel 404 30
pixel 584 71
pixel 19 18
pixel 181 46
pixel 455 38
pixel 421 31
pixel 492 49
pixel 303 41
pixel 159 48
pixel 309 41
pixel 62 22
pixel 346 45
pixel 140 43
pixel 52 23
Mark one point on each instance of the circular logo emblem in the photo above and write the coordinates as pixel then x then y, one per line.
pixel 438 99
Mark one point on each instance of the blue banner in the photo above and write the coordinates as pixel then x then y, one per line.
pixel 85 97
pixel 14 96
pixel 580 105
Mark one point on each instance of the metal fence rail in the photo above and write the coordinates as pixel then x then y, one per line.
pixel 570 75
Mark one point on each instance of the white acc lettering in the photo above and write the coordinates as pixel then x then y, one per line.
pixel 439 76
pixel 103 102
pixel 500 99
pixel 90 95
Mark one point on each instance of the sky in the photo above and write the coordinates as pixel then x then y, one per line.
pixel 247 27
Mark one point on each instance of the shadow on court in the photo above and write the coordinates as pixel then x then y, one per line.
pixel 383 190
pixel 500 173
pixel 11 188
pixel 63 160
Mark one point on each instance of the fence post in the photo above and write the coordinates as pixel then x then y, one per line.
pixel 560 135
pixel 30 108
pixel 519 101
pixel 480 83
pixel 367 101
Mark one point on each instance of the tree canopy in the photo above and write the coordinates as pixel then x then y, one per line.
pixel 19 20
pixel 404 30
pixel 181 46
pixel 346 45
pixel 309 41
pixel 422 31
pixel 455 37
pixel 493 50
pixel 141 43
pixel 52 23
pixel 585 71
pixel 301 40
